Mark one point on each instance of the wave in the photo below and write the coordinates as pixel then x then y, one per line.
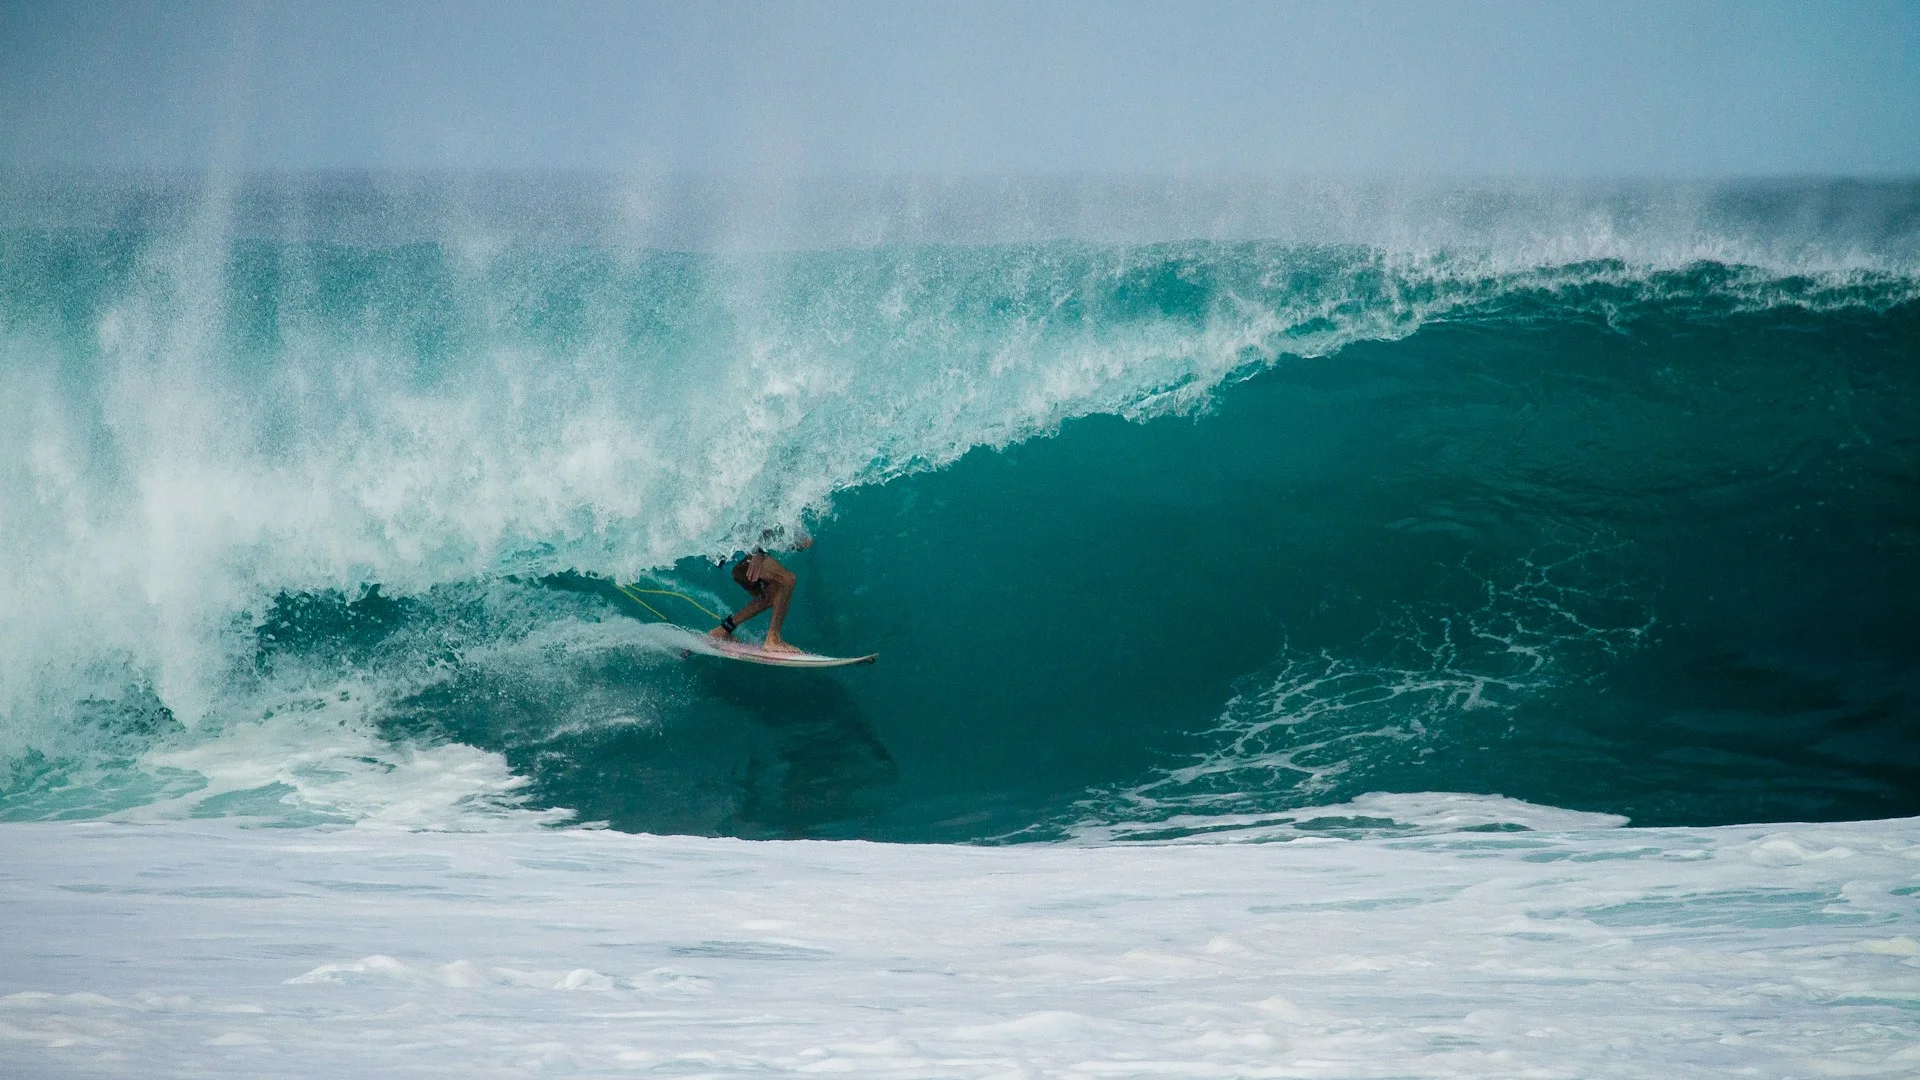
pixel 309 460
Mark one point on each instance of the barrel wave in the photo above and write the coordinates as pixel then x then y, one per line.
pixel 316 497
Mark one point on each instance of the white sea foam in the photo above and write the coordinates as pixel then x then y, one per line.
pixel 1373 814
pixel 308 766
pixel 1573 951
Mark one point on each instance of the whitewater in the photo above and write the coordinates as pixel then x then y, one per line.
pixel 1377 629
pixel 1587 950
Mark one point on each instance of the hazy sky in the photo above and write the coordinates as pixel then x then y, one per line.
pixel 1534 88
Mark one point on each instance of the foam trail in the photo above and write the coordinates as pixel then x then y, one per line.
pixel 1314 726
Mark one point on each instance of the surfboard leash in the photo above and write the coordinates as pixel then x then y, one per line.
pixel 631 592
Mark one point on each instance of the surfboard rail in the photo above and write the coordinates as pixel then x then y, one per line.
pixel 752 653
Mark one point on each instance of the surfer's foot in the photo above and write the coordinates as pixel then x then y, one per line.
pixel 719 633
pixel 774 644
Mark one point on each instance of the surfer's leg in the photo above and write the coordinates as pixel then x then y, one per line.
pixel 779 582
pixel 754 607
pixel 760 602
pixel 782 596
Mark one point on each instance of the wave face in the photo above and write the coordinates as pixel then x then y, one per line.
pixel 315 493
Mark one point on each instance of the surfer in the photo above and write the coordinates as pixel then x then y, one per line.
pixel 770 585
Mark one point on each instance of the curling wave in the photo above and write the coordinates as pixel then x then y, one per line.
pixel 313 516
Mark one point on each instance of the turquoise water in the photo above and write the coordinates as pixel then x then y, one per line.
pixel 313 508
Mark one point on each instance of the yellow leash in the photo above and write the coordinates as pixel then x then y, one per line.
pixel 631 592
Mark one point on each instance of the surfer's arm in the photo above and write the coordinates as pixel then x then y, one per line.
pixel 768 569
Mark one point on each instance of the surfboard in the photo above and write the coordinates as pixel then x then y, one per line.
pixel 754 654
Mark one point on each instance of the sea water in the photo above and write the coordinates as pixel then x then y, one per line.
pixel 201 949
pixel 1209 512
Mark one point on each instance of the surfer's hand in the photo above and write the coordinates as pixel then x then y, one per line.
pixel 753 567
pixel 803 543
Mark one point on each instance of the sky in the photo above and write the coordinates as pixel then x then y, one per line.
pixel 1539 88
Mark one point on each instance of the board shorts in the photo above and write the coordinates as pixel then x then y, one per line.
pixel 757 588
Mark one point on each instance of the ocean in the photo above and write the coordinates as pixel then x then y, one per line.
pixel 335 477
pixel 1447 521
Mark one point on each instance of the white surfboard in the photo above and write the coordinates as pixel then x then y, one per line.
pixel 752 653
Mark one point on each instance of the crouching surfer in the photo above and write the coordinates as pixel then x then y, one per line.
pixel 770 585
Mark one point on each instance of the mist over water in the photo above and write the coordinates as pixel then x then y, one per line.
pixel 1171 506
